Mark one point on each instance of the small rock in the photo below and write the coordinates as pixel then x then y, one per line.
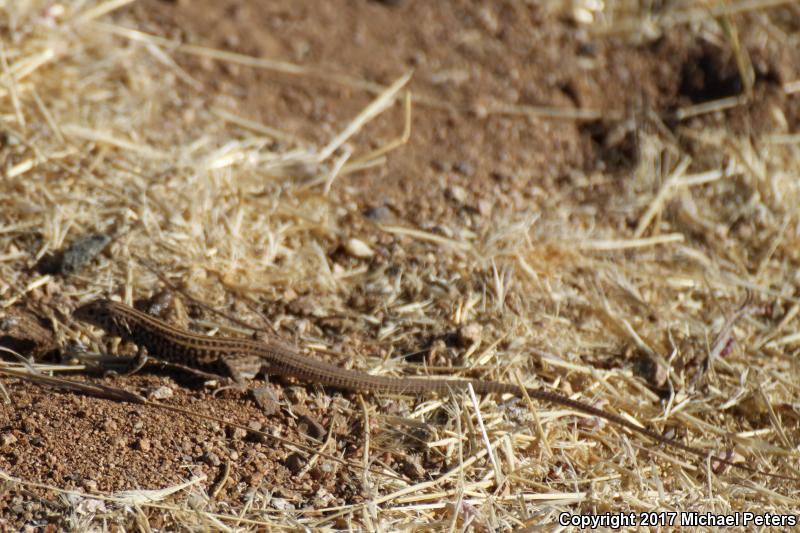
pixel 161 393
pixel 7 439
pixel 89 506
pixel 212 459
pixel 308 306
pixel 307 424
pixel 295 463
pixel 289 294
pixel 311 427
pixel 158 304
pixel 83 250
pixel 253 480
pixel 323 470
pixel 187 446
pixel 470 334
pixel 438 165
pixel 323 498
pixel 441 229
pixel 266 399
pixel 378 213
pixel 339 424
pixel 238 434
pixel 28 425
pixel 465 168
pixel 358 248
pixel 412 467
pixel 143 445
pixel 457 193
pixel 282 504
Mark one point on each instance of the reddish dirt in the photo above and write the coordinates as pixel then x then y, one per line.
pixel 473 54
pixel 77 441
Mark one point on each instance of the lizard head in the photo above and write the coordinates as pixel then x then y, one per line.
pixel 97 312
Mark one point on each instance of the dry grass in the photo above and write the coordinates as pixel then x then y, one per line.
pixel 101 136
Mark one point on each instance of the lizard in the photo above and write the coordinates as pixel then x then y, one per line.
pixel 213 354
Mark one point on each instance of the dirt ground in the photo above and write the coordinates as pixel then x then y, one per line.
pixel 484 150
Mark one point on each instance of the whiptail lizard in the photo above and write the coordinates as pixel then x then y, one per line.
pixel 212 354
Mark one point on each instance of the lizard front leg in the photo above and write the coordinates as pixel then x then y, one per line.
pixel 134 365
pixel 240 369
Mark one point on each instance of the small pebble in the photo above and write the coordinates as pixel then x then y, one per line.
pixel 161 393
pixel 265 398
pixel 358 248
pixel 378 213
pixel 212 459
pixel 282 504
pixel 412 467
pixel 311 427
pixel 464 168
pixel 457 193
pixel 485 207
pixel 80 252
pixel 89 506
pixel 470 334
pixel 295 463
